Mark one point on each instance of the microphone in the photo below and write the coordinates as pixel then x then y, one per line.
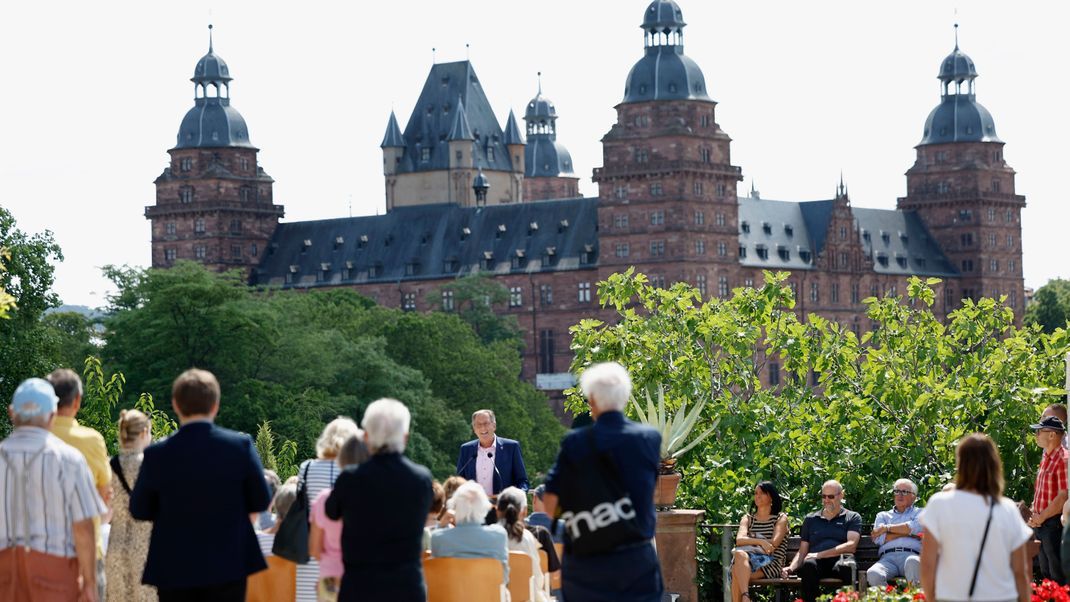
pixel 490 454
pixel 461 471
pixel 500 480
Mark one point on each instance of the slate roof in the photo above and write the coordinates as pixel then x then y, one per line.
pixel 512 131
pixel 431 241
pixel 434 115
pixel 392 138
pixel 212 122
pixel 793 233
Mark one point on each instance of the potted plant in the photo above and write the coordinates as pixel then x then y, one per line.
pixel 675 428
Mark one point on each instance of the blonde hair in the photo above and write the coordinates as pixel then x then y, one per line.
pixel 334 437
pixel 131 424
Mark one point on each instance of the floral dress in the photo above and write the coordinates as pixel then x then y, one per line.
pixel 128 544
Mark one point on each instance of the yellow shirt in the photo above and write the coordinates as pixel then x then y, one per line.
pixel 91 444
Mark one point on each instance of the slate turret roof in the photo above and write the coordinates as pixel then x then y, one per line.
pixel 212 122
pixel 435 114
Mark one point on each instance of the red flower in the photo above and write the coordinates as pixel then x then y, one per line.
pixel 919 596
pixel 889 588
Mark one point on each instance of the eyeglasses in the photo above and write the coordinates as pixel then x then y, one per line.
pixel 902 492
pixel 829 496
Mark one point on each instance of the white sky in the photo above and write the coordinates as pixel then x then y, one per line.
pixel 94 93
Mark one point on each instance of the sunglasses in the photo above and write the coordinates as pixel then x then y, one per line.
pixel 902 492
pixel 829 496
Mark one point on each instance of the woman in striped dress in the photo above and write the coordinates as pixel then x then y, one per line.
pixel 764 529
pixel 319 474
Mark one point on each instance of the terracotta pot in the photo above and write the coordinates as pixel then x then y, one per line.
pixel 665 490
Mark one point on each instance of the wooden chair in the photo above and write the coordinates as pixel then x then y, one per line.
pixel 521 582
pixel 464 579
pixel 277 584
pixel 544 565
pixel 555 577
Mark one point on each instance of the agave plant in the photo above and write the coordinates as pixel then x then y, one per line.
pixel 674 428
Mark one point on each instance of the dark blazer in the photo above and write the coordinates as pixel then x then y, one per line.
pixel 507 459
pixel 383 504
pixel 198 488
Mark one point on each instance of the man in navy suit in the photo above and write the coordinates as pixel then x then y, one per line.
pixel 493 462
pixel 199 488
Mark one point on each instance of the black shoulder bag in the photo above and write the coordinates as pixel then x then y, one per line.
pixel 980 553
pixel 291 538
pixel 117 468
pixel 598 512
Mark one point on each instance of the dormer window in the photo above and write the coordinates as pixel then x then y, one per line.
pixel 338 242
pixel 767 228
pixel 500 232
pixel 412 268
pixel 587 256
pixel 465 233
pixel 533 227
pixel 762 251
pixel 549 256
pixel 389 239
pixel 487 262
pixel 451 265
pixel 362 241
pixel 517 261
pixel 425 155
pixel 901 260
pixel 789 231
pixel 804 256
pixel 306 245
pixel 745 227
pixel 562 226
pixel 375 270
pixel 294 268
pixel 885 237
pixel 865 235
pixel 742 252
pixel 903 237
pixel 783 253
pixel 882 259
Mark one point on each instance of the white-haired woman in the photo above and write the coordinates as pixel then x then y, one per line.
pixel 633 449
pixel 383 504
pixel 319 474
pixel 471 537
pixel 512 508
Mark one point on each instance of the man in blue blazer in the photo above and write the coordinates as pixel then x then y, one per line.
pixel 199 488
pixel 493 462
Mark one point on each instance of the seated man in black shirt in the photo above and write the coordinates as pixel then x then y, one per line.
pixel 826 536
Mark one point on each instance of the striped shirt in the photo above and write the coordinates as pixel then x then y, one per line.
pixel 321 476
pixel 45 487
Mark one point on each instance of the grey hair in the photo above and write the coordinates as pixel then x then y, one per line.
pixel 515 496
pixel 607 386
pixel 493 419
pixel 469 503
pixel 833 483
pixel 334 435
pixel 913 487
pixel 40 420
pixel 386 425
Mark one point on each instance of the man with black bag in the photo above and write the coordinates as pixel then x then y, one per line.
pixel 602 486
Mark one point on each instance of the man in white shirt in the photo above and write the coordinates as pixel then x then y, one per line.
pixel 48 499
pixel 492 461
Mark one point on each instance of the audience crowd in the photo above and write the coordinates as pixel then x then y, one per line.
pixel 196 517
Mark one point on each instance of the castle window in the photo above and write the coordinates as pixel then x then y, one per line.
pixel 549 256
pixel 993 265
pixel 621 249
pixel 967 265
pixel 748 282
pixel 546 294
pixel 562 226
pixel 546 351
pixel 621 192
pixel 517 261
pixel 412 268
pixel 657 281
pixel 774 374
pixel 704 154
pixel 722 287
pixel 995 185
pixel 185 164
pixel 903 237
pixel 465 233
pixel 254 250
pixel 169 254
pixel 170 228
pixel 200 251
pixel 742 252
pixel 882 259
pixel 856 294
pixel 700 218
pixel 655 189
pixel 451 265
pixel 243 163
pixel 500 231
pixel 804 256
pixel 704 120
pixel 362 241
pixel 766 228
pixel 245 193
pixel 697 188
pixel 657 218
pixel 198 226
pixel 991 214
pixel 235 251
pixel 992 240
pixel 700 284
pixel 865 235
pixel 1010 241
pixel 487 262
pixel 425 155
pixel 762 251
pixel 966 215
pixel 235 226
pixel 789 231
pixel 700 247
pixel 834 292
pixel 620 220
pixel 901 260
pixel 722 249
pixel 920 262
pixel 722 189
pixel 185 194
pixel 533 227
pixel 745 227
pixel 843 232
pixel 885 237
pixel 490 154
pixel 584 292
pixel 783 253
pixel 843 259
pixel 375 270
pixel 966 239
pixel 719 219
pixel 1008 216
pixel 516 296
pixel 641 155
pixel 815 292
pixel 657 248
pixel 408 302
pixel 447 300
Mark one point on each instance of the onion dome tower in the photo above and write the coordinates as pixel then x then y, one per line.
pixel 667 188
pixel 213 202
pixel 548 172
pixel 964 191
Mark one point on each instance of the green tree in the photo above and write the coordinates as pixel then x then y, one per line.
pixel 27 348
pixel 474 298
pixel 1050 308
pixel 75 337
pixel 7 302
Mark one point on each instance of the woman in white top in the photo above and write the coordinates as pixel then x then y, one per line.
pixel 319 474
pixel 512 508
pixel 956 523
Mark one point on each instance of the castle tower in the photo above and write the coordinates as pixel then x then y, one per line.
pixel 963 190
pixel 421 165
pixel 548 170
pixel 213 202
pixel 667 188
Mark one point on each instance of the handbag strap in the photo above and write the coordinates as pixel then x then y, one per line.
pixel 117 468
pixel 980 553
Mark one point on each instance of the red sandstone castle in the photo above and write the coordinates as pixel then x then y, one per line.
pixel 464 195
